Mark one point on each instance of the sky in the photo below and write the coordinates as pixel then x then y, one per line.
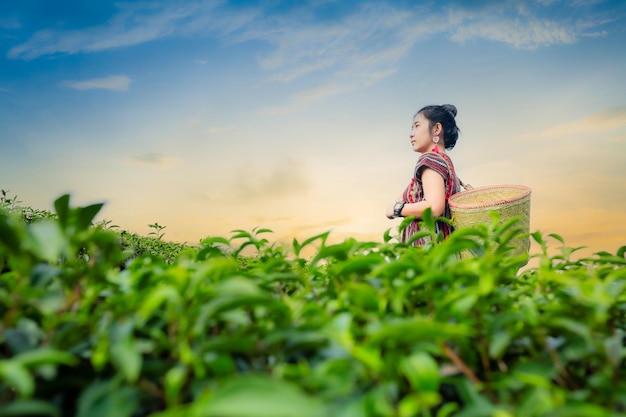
pixel 209 116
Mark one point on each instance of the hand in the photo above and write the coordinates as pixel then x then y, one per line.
pixel 389 211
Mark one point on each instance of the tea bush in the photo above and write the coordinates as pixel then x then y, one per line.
pixel 132 243
pixel 90 328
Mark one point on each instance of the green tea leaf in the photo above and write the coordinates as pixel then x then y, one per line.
pixel 8 236
pixel 582 409
pixel 387 236
pixel 239 233
pixel 296 246
pixel 499 343
pixel 15 375
pixel 86 215
pixel 411 330
pixel 156 297
pixel 428 219
pixel 258 396
pixel 126 358
pixel 340 251
pixel 208 241
pixel 575 327
pixel 419 235
pixel 62 209
pixel 614 347
pixel 422 372
pixel 231 344
pixel 557 237
pixel 174 380
pixel 107 399
pixel 369 356
pixel 475 403
pixel 47 241
pixel 447 409
pixel 538 237
pixel 43 356
pixel 23 407
pixel 360 265
pixel 363 295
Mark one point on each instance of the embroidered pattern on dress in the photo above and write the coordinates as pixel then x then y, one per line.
pixel 414 192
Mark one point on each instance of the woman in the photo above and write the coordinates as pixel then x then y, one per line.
pixel 433 132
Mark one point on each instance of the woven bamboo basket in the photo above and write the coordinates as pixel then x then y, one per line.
pixel 473 206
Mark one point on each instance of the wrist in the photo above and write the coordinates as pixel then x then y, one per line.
pixel 397 209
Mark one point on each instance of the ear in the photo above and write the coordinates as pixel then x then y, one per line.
pixel 438 129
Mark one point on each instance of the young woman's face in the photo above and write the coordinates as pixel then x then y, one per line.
pixel 421 138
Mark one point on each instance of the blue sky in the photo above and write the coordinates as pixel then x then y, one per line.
pixel 209 116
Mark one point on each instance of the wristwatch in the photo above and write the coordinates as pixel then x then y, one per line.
pixel 397 209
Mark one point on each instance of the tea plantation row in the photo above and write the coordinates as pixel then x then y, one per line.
pixel 100 323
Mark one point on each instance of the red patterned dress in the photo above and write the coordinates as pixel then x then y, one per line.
pixel 442 164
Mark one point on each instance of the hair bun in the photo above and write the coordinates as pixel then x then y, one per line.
pixel 451 108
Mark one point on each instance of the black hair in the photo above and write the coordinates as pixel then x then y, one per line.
pixel 444 114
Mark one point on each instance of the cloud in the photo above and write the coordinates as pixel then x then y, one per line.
pixel 371 39
pixel 585 3
pixel 596 227
pixel 132 25
pixel 155 160
pixel 596 124
pixel 284 179
pixel 521 33
pixel 114 82
pixel 266 220
pixel 374 31
pixel 212 130
pixel 10 23
pixel 356 48
pixel 301 99
pixel 601 34
pixel 325 225
pixel 366 45
pixel 617 139
pixel 367 31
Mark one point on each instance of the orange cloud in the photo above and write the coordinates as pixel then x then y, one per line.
pixel 283 179
pixel 597 124
pixel 155 160
pixel 595 228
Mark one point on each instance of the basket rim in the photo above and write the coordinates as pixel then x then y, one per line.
pixel 525 193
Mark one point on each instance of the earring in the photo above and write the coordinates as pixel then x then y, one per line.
pixel 435 139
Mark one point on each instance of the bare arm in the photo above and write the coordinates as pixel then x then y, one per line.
pixel 434 197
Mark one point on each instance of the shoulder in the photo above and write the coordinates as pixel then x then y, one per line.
pixel 433 161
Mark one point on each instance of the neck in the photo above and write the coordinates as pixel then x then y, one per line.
pixel 438 149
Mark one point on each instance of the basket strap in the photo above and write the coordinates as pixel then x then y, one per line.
pixel 465 185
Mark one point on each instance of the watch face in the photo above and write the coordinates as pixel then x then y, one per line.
pixel 398 206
